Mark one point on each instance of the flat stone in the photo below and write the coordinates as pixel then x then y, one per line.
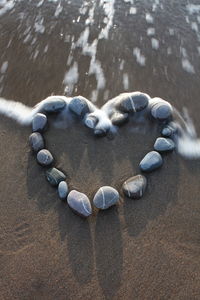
pixel 161 109
pixel 105 197
pixel 91 122
pixel 119 118
pixel 79 106
pixel 39 122
pixel 132 102
pixel 135 187
pixel 44 157
pixel 151 161
pixel 63 190
pixel 79 203
pixel 54 105
pixel 36 141
pixel 164 144
pixel 55 176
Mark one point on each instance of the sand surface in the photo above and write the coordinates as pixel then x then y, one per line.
pixel 145 249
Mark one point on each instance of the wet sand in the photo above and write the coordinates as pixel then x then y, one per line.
pixel 145 249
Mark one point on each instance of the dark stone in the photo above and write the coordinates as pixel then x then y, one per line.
pixel 119 118
pixel 79 106
pixel 105 197
pixel 39 122
pixel 63 190
pixel 54 105
pixel 36 141
pixel 44 157
pixel 100 132
pixel 151 161
pixel 132 102
pixel 91 122
pixel 164 144
pixel 79 203
pixel 55 176
pixel 135 186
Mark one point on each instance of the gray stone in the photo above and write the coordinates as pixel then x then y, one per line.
pixel 167 131
pixel 160 109
pixel 105 197
pixel 119 118
pixel 55 176
pixel 132 102
pixel 39 122
pixel 100 132
pixel 151 161
pixel 79 203
pixel 164 144
pixel 63 190
pixel 91 122
pixel 44 157
pixel 36 141
pixel 79 106
pixel 135 186
pixel 54 105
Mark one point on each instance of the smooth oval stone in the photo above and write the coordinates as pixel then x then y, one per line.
pixel 44 157
pixel 36 141
pixel 167 131
pixel 151 161
pixel 55 176
pixel 161 109
pixel 132 102
pixel 39 122
pixel 105 197
pixel 91 122
pixel 79 106
pixel 54 105
pixel 79 203
pixel 164 144
pixel 119 118
pixel 63 190
pixel 135 186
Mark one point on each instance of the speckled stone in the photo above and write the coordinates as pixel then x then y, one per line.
pixel 119 118
pixel 164 144
pixel 55 176
pixel 132 102
pixel 105 197
pixel 63 190
pixel 79 203
pixel 36 141
pixel 79 106
pixel 135 186
pixel 54 105
pixel 39 122
pixel 44 157
pixel 151 161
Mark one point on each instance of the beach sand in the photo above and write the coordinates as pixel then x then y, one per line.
pixel 144 249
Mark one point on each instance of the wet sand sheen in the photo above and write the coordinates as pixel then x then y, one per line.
pixel 146 249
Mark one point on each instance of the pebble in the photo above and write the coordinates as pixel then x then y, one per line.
pixel 119 118
pixel 105 197
pixel 164 144
pixel 54 105
pixel 167 131
pixel 100 132
pixel 36 141
pixel 132 102
pixel 160 109
pixel 91 122
pixel 39 122
pixel 44 157
pixel 170 129
pixel 79 203
pixel 55 176
pixel 151 161
pixel 63 190
pixel 135 186
pixel 79 106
